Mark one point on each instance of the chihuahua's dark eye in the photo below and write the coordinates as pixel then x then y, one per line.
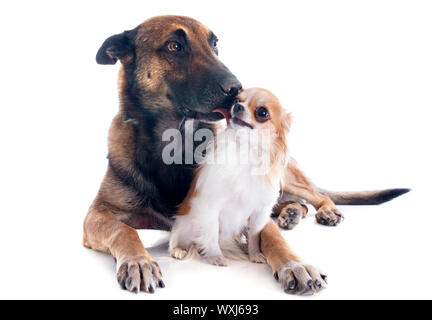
pixel 262 114
pixel 215 47
pixel 174 46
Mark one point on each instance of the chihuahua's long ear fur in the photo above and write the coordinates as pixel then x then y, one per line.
pixel 117 47
pixel 280 154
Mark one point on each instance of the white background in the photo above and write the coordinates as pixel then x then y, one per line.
pixel 357 76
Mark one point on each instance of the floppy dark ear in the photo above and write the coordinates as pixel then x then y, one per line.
pixel 116 47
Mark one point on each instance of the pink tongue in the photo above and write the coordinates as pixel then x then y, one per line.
pixel 225 112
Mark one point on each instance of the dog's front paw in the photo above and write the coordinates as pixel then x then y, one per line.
pixel 290 216
pixel 217 260
pixel 301 279
pixel 179 253
pixel 139 274
pixel 329 216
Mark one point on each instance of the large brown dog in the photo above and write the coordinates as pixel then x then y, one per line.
pixel 170 72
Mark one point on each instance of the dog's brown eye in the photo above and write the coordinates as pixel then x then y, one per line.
pixel 262 114
pixel 174 46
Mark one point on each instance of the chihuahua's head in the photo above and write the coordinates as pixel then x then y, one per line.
pixel 259 109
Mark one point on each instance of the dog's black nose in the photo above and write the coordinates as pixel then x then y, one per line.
pixel 231 88
pixel 238 108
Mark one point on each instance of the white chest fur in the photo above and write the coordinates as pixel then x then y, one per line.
pixel 231 194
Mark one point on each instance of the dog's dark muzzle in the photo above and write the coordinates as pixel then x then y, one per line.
pixel 206 90
pixel 231 87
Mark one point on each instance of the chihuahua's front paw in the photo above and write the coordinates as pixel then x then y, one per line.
pixel 329 216
pixel 257 258
pixel 179 253
pixel 217 260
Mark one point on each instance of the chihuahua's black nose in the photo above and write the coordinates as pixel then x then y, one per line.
pixel 238 108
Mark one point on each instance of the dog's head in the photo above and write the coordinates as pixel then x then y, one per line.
pixel 259 109
pixel 172 61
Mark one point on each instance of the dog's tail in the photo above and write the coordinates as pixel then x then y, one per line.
pixel 363 197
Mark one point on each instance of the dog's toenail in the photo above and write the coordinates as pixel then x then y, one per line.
pixel 310 284
pixel 128 282
pixel 291 285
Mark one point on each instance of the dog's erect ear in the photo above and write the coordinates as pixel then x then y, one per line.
pixel 116 47
pixel 287 122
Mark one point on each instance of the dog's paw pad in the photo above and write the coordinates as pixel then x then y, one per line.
pixel 139 274
pixel 329 216
pixel 289 217
pixel 301 279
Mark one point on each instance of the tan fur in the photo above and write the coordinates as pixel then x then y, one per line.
pixel 296 183
pixel 293 181
pixel 275 248
pixel 280 207
pixel 278 125
pixel 116 212
pixel 185 207
pixel 156 67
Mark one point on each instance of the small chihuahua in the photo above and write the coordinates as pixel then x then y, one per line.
pixel 238 183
